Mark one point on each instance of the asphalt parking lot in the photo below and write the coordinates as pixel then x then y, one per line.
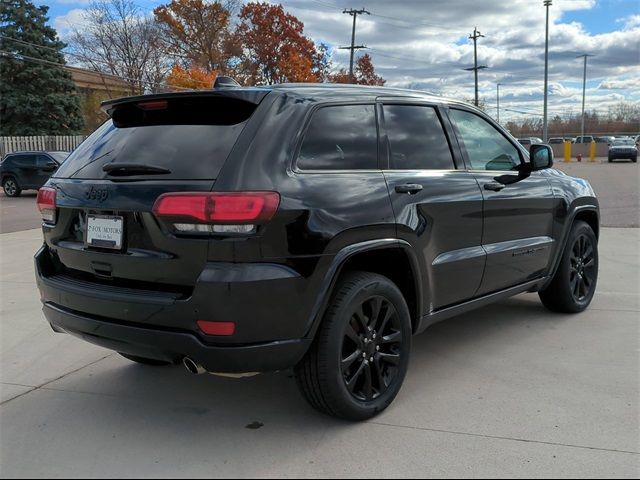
pixel 510 390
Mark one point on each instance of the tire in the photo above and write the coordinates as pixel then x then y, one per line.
pixel 11 187
pixel 634 159
pixel 574 283
pixel 367 317
pixel 145 361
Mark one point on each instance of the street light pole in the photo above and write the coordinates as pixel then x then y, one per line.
pixel 545 130
pixel 498 99
pixel 584 92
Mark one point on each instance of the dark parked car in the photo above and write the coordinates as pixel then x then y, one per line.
pixel 623 148
pixel 606 140
pixel 28 170
pixel 317 227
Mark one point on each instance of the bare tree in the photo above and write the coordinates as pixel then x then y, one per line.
pixel 625 112
pixel 119 39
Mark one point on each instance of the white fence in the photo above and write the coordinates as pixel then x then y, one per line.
pixel 43 143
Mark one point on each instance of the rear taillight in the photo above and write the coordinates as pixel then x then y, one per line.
pixel 47 204
pixel 217 212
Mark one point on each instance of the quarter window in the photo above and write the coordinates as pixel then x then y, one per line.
pixel 416 138
pixel 341 138
pixel 487 148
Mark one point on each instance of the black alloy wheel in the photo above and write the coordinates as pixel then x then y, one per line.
pixel 360 355
pixel 371 349
pixel 583 271
pixel 574 282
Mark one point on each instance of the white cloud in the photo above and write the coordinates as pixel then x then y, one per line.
pixel 73 19
pixel 72 2
pixel 424 45
pixel 630 22
pixel 428 48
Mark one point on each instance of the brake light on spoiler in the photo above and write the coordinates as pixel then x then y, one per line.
pixel 217 212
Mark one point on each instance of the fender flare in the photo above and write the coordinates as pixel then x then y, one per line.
pixel 335 269
pixel 571 218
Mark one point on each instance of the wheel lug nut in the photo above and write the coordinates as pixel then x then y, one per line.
pixel 364 355
pixel 377 348
pixel 366 340
pixel 371 359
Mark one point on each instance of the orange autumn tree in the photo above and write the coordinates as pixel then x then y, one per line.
pixel 193 78
pixel 363 72
pixel 275 49
pixel 199 31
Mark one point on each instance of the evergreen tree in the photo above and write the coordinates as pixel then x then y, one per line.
pixel 36 96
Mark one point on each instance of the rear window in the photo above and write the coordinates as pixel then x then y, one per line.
pixel 189 137
pixel 341 138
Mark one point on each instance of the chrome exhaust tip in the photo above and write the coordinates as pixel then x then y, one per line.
pixel 193 367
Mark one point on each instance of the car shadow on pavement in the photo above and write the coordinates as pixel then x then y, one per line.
pixel 165 394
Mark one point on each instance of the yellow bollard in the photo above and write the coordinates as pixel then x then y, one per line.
pixel 592 151
pixel 567 150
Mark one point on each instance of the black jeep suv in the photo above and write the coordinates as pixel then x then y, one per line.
pixel 28 170
pixel 319 227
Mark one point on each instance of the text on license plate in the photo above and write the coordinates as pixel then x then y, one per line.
pixel 104 231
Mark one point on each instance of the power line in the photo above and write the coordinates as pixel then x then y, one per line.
pixel 28 59
pixel 87 59
pixel 406 22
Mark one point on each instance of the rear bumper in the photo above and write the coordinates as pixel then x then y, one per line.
pixel 173 346
pixel 270 329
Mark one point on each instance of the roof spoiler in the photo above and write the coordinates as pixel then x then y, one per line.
pixel 251 95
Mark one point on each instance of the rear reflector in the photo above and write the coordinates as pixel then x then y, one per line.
pixel 221 329
pixel 234 208
pixel 47 204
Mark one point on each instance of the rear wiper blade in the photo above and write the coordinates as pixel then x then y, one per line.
pixel 124 169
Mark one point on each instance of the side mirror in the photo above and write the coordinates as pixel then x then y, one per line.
pixel 541 157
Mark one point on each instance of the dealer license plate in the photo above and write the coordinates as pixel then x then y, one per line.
pixel 104 231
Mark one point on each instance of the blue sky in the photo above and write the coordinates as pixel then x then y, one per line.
pixel 422 44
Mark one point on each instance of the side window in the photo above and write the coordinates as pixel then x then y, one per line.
pixel 341 138
pixel 25 160
pixel 486 147
pixel 42 161
pixel 416 138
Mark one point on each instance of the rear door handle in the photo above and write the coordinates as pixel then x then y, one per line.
pixel 410 188
pixel 493 186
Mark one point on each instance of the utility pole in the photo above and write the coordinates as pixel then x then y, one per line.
pixel 476 35
pixel 584 91
pixel 545 124
pixel 354 47
pixel 498 98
